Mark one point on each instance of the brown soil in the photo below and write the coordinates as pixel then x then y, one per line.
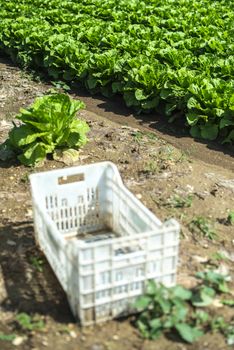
pixel 155 171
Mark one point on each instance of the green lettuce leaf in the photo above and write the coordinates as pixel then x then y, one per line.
pixel 188 333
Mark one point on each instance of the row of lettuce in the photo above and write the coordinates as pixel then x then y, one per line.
pixel 172 56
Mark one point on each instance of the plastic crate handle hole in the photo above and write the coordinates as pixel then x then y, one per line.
pixel 63 180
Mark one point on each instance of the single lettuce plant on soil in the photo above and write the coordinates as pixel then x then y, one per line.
pixel 50 124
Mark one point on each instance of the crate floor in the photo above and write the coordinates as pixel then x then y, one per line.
pixel 90 237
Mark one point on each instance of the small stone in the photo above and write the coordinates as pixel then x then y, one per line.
pixel 223 270
pixel 18 341
pixel 5 123
pixel 97 347
pixel 189 189
pixel 82 338
pixel 182 347
pixel 44 343
pixel 12 243
pixel 217 303
pixel 227 255
pixel 139 196
pixel 115 337
pixel 210 175
pixel 227 184
pixel 84 157
pixel 164 175
pixel 87 331
pixel 73 334
pixel 29 275
pixel 187 281
pixel 202 195
pixel 29 213
pixel 204 245
pixel 200 259
pixel 126 127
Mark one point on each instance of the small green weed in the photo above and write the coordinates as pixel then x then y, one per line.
pixel 31 75
pixel 151 167
pixel 37 263
pixel 212 283
pixel 30 323
pixel 7 337
pixel 229 302
pixel 137 136
pixel 179 310
pixel 217 257
pixel 167 153
pixel 24 178
pixel 165 309
pixel 184 157
pixel 214 280
pixel 227 329
pixel 60 85
pixel 203 227
pixel 65 330
pixel 170 153
pixel 151 136
pixel 177 201
pixel 230 218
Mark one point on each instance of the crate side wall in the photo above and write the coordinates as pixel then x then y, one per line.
pixel 53 247
pixel 111 280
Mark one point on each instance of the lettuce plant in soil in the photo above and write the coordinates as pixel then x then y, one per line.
pixel 48 125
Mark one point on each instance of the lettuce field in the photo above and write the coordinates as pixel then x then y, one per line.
pixel 171 56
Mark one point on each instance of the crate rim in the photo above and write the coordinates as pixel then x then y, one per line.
pixel 73 169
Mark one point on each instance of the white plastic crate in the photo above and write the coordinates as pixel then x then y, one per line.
pixel 101 241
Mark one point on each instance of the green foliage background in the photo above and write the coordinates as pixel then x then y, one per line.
pixel 165 55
